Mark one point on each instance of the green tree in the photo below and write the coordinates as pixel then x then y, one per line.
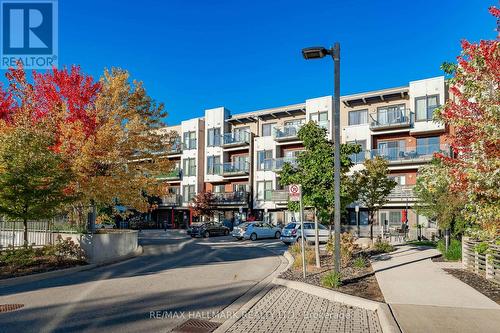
pixel 373 186
pixel 33 178
pixel 436 201
pixel 314 171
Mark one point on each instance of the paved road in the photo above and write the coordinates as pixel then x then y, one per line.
pixel 175 274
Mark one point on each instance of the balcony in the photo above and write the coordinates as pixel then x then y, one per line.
pixel 171 200
pixel 238 139
pixel 278 163
pixel 189 145
pixel 174 148
pixel 231 199
pixel 175 174
pixel 286 133
pixel 231 169
pixel 402 193
pixel 419 154
pixel 279 197
pixel 399 121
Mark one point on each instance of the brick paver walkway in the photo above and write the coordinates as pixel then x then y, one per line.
pixel 289 310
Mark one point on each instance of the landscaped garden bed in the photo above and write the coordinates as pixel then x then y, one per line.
pixel 357 277
pixel 65 253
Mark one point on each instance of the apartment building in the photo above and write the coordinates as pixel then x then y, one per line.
pixel 238 157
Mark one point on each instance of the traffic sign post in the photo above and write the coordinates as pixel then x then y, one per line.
pixel 295 194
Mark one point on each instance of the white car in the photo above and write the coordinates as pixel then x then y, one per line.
pixel 291 233
pixel 106 225
pixel 260 230
pixel 239 231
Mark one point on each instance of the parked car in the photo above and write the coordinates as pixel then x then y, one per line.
pixel 207 229
pixel 291 233
pixel 105 225
pixel 259 230
pixel 240 229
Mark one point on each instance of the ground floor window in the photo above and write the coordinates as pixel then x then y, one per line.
pixel 363 217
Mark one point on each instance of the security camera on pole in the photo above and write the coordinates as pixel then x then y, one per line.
pixel 295 194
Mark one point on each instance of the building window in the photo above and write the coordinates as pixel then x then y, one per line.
pixel 400 179
pixel 359 157
pixel 241 134
pixel 267 129
pixel 190 140
pixel 219 189
pixel 213 137
pixel 425 106
pixel 243 187
pixel 358 117
pixel 392 150
pixel 189 192
pixel 264 190
pixel 394 114
pixel 295 122
pixel 189 167
pixel 264 159
pixel 213 165
pixel 395 218
pixel 428 146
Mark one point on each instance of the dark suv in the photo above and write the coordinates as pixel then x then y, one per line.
pixel 207 229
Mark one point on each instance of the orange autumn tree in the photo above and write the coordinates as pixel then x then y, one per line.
pixel 107 132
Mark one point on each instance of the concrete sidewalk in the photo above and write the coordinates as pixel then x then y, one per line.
pixel 424 298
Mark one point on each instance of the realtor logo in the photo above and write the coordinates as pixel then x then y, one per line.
pixel 29 33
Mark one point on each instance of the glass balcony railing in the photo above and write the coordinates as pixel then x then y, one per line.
pixel 286 132
pixel 324 124
pixel 171 200
pixel 231 198
pixel 236 139
pixel 190 144
pixel 171 175
pixel 410 154
pixel 402 192
pixel 174 147
pixel 280 161
pixel 391 121
pixel 235 168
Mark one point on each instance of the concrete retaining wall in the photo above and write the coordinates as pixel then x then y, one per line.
pixel 109 246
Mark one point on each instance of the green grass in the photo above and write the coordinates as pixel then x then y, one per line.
pixel 423 243
pixel 359 262
pixel 454 252
pixel 331 280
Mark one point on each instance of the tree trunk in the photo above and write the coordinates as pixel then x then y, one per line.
pixel 316 239
pixel 25 234
pixel 370 214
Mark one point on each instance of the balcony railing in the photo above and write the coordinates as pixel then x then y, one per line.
pixel 188 145
pixel 171 200
pixel 175 174
pixel 235 168
pixel 287 132
pixel 231 198
pixel 417 154
pixel 280 161
pixel 174 147
pixel 402 121
pixel 279 196
pixel 401 193
pixel 236 139
pixel 324 124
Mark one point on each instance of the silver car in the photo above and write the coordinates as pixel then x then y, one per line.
pixel 291 233
pixel 239 230
pixel 260 230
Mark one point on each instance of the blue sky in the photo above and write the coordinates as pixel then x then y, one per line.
pixel 245 55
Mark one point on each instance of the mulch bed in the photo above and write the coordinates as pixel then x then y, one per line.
pixel 41 266
pixel 485 287
pixel 359 282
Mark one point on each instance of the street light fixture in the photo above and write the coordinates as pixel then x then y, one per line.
pixel 318 52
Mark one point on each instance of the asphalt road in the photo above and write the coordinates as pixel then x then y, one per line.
pixel 176 275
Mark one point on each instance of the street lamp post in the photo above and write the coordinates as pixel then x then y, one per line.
pixel 334 52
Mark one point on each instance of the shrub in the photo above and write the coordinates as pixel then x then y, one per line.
pixel 331 280
pixel 359 262
pixel 454 252
pixel 347 247
pixel 67 249
pixel 481 248
pixel 382 247
pixel 297 255
pixel 23 256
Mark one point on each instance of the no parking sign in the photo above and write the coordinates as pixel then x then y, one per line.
pixel 294 192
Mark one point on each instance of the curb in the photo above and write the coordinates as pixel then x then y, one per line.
pixel 254 294
pixel 386 320
pixel 67 271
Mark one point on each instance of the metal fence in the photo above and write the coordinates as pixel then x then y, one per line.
pixel 12 233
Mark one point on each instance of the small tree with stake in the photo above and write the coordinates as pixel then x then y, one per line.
pixel 373 187
pixel 33 178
